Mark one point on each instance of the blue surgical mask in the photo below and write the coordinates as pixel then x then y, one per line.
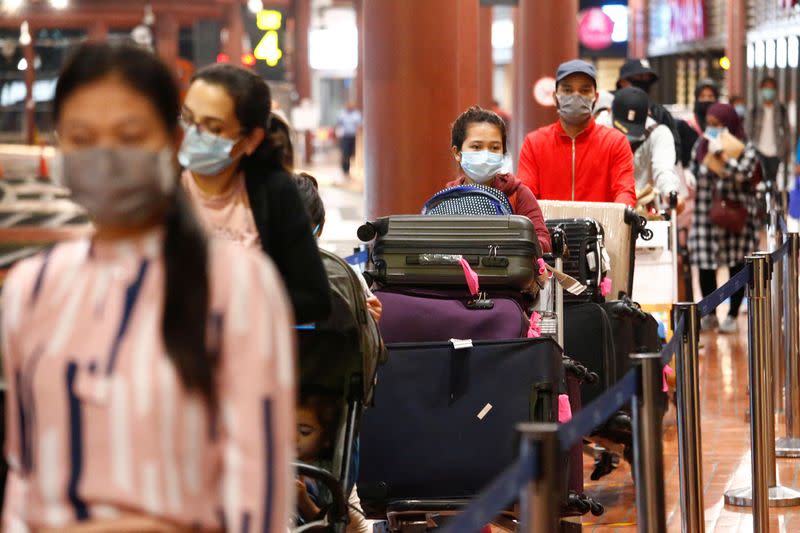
pixel 204 153
pixel 481 166
pixel 740 110
pixel 768 94
pixel 713 133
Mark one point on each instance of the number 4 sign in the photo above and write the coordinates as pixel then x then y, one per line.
pixel 269 48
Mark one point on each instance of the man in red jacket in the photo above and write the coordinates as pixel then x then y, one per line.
pixel 575 159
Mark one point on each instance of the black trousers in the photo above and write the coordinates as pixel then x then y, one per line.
pixel 708 284
pixel 347 144
pixel 770 167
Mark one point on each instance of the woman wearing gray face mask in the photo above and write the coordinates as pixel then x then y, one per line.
pixel 122 350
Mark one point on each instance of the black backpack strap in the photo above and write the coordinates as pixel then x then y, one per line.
pixel 259 204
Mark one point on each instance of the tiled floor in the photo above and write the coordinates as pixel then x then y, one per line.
pixel 726 455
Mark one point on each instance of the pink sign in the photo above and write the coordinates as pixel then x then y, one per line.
pixel 688 20
pixel 595 29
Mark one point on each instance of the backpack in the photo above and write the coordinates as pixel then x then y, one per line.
pixel 344 350
pixel 471 199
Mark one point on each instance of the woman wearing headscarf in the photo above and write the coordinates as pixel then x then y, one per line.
pixel 723 177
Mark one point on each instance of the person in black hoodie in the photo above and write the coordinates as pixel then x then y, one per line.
pixel 637 73
pixel 236 178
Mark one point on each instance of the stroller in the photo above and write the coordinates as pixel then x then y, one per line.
pixel 341 355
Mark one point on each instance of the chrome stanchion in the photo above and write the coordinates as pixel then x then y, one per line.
pixel 769 372
pixel 774 242
pixel 690 458
pixel 540 500
pixel 789 446
pixel 761 494
pixel 648 453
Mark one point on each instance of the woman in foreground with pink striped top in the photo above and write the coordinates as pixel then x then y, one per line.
pixel 150 372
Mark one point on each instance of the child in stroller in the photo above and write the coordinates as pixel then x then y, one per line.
pixel 318 415
pixel 338 363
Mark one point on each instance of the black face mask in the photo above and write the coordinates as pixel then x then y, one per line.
pixel 644 85
pixel 700 110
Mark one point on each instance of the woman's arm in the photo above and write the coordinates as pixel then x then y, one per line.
pixel 256 399
pixel 528 206
pixel 741 169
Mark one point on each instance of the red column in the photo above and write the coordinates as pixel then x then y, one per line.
pixel 167 30
pixel 638 32
pixel 420 72
pixel 735 47
pixel 302 72
pixel 235 27
pixel 98 31
pixel 302 69
pixel 359 81
pixel 29 53
pixel 544 37
pixel 485 60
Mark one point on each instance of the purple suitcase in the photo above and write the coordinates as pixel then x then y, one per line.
pixel 418 315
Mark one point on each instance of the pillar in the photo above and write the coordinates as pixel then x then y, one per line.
pixel 29 53
pixel 359 81
pixel 167 34
pixel 98 31
pixel 638 28
pixel 420 72
pixel 302 68
pixel 544 37
pixel 485 59
pixel 235 26
pixel 735 47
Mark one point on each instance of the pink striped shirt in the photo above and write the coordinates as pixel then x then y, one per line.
pixel 98 422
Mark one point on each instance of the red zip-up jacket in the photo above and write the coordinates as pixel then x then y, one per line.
pixel 596 166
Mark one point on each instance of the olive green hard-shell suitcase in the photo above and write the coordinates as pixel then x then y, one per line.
pixel 420 250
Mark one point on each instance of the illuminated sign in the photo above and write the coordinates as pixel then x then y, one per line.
pixel 269 49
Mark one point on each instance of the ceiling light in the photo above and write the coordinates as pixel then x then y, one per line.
pixel 255 5
pixel 12 5
pixel 59 4
pixel 23 64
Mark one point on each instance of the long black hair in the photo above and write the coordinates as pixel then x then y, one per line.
pixel 186 291
pixel 252 102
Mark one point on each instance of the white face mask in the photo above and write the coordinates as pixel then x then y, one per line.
pixel 481 166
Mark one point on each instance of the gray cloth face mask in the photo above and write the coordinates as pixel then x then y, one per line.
pixel 118 186
pixel 574 109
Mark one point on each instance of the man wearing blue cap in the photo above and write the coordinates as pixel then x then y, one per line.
pixel 574 158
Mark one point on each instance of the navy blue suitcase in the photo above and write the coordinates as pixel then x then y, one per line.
pixel 444 420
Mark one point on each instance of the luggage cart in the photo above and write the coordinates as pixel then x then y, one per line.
pixel 657 259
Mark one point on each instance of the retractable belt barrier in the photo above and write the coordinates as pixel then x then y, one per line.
pixel 529 468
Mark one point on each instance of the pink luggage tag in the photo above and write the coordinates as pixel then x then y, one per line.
pixel 535 329
pixel 668 371
pixel 542 267
pixel 564 409
pixel 471 277
pixel 605 286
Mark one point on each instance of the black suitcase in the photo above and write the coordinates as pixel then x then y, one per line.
pixel 634 331
pixel 584 262
pixel 420 250
pixel 444 420
pixel 589 339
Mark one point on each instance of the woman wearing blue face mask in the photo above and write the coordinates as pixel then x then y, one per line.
pixel 714 243
pixel 479 147
pixel 236 176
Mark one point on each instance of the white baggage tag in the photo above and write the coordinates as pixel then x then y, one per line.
pixel 460 344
